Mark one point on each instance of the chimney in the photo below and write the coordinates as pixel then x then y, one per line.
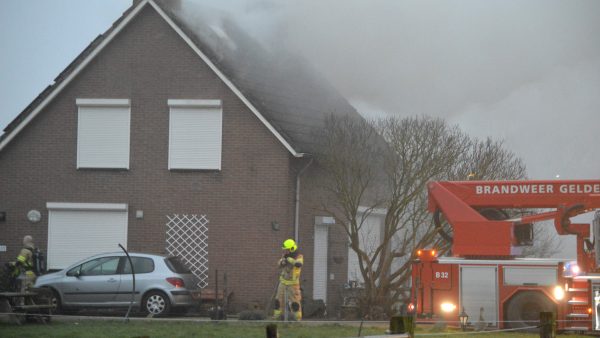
pixel 174 5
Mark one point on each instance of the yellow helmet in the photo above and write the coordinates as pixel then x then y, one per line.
pixel 289 244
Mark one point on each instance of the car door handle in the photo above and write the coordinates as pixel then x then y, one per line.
pixel 112 280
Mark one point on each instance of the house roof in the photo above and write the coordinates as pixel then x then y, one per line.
pixel 281 89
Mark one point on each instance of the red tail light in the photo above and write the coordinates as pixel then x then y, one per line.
pixel 176 282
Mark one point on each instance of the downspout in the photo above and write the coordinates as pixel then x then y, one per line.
pixel 297 212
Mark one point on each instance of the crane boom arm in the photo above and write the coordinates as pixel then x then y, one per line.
pixel 522 194
pixel 475 235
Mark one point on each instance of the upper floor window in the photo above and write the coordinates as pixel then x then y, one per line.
pixel 103 133
pixel 195 134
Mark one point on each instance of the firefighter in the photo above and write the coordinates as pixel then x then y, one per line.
pixel 289 282
pixel 24 262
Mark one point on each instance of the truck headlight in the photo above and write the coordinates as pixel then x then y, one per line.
pixel 571 269
pixel 558 292
pixel 448 307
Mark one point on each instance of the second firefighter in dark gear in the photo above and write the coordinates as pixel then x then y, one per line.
pixel 289 282
pixel 25 264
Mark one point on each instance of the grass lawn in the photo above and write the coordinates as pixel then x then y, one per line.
pixel 158 328
pixel 234 329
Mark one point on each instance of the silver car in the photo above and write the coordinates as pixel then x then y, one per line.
pixel 161 283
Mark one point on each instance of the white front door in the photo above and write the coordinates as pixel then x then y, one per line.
pixel 320 265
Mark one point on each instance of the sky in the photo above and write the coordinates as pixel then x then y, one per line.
pixel 525 72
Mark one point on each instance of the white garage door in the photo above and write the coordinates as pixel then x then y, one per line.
pixel 79 230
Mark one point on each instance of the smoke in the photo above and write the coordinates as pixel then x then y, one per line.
pixel 526 72
pixel 552 123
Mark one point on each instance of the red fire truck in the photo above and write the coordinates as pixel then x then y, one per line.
pixel 485 279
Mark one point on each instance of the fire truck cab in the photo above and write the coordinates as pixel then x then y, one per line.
pixel 485 279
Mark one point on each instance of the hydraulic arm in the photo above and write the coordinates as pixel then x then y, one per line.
pixel 480 230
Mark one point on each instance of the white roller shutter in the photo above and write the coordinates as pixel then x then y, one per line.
pixel 369 239
pixel 103 133
pixel 195 134
pixel 320 263
pixel 79 230
pixel 479 289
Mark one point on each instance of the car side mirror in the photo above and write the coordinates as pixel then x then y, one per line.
pixel 76 273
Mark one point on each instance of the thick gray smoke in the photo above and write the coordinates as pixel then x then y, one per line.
pixel 526 72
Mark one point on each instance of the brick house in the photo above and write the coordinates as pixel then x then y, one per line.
pixel 170 137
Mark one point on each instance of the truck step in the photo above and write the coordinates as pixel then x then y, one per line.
pixel 578 315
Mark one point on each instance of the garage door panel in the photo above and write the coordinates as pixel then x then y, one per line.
pixel 77 234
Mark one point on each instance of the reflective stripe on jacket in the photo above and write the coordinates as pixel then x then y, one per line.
pixel 290 272
pixel 25 258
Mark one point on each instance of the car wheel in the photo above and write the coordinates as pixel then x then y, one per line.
pixel 56 303
pixel 156 303
pixel 523 310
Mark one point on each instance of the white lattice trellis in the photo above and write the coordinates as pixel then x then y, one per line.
pixel 187 237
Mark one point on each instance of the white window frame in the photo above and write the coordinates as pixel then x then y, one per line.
pixel 86 206
pixel 198 104
pixel 107 103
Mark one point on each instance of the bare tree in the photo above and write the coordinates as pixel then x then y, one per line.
pixel 384 167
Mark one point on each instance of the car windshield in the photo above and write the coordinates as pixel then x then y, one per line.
pixel 175 265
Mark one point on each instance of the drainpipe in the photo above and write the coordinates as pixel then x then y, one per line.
pixel 297 213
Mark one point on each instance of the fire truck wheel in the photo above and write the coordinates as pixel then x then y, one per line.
pixel 523 309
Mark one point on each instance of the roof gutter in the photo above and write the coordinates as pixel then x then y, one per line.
pixel 297 211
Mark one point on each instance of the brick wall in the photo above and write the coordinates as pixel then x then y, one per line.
pixel 313 198
pixel 149 64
